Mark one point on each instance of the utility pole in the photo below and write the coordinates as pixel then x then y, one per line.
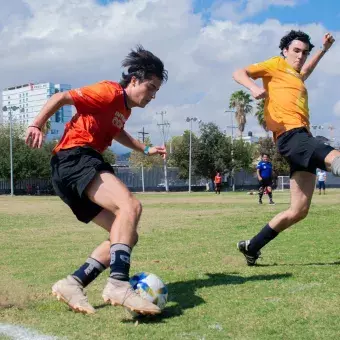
pixel 164 128
pixel 143 133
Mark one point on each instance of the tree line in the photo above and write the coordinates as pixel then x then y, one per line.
pixel 211 149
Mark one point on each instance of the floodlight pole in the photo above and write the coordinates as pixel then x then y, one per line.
pixel 232 148
pixel 191 119
pixel 10 109
pixel 190 156
pixel 11 151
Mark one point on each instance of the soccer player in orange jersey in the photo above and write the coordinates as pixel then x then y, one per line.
pixel 287 116
pixel 218 183
pixel 88 185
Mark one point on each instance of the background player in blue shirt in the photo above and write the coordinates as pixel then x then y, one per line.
pixel 264 175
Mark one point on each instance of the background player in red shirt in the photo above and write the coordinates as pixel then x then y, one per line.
pixel 88 185
pixel 218 183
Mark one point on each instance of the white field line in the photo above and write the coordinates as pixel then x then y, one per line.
pixel 22 333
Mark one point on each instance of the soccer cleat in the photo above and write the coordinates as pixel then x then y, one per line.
pixel 121 293
pixel 260 201
pixel 71 292
pixel 250 257
pixel 271 203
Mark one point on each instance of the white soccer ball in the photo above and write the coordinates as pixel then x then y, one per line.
pixel 150 287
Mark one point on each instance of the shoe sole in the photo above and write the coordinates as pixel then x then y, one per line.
pixel 132 309
pixel 74 308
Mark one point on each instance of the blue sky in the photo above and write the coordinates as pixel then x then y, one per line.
pixel 326 12
pixel 200 55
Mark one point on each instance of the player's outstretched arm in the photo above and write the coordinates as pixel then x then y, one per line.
pixel 242 77
pixel 308 68
pixel 34 133
pixel 127 140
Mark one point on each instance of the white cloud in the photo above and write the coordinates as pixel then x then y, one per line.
pixel 80 42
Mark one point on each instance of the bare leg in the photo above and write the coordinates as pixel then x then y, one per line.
pixel 110 193
pixel 301 193
pixel 301 190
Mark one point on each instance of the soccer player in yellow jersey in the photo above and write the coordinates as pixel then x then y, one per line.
pixel 287 116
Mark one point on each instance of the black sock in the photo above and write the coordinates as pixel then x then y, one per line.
pixel 260 195
pixel 261 239
pixel 270 194
pixel 120 261
pixel 88 271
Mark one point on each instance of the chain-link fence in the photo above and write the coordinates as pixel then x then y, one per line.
pixel 132 178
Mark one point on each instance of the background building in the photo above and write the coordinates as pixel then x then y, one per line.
pixel 30 98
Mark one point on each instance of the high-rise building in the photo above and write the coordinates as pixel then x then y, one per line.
pixel 29 100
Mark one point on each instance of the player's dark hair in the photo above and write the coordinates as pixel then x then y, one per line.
pixel 142 64
pixel 295 35
pixel 265 154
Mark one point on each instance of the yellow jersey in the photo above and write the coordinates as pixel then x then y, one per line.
pixel 286 106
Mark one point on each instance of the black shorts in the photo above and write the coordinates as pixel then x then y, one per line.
pixel 266 182
pixel 72 170
pixel 302 151
pixel 322 185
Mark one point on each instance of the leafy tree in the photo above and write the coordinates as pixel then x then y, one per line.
pixel 241 102
pixel 109 156
pixel 137 159
pixel 243 155
pixel 179 157
pixel 214 152
pixel 27 163
pixel 280 165
pixel 259 114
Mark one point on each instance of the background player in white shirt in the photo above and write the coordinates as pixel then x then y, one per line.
pixel 321 176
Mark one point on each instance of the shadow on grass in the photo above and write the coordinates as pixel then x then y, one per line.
pixel 183 293
pixel 335 263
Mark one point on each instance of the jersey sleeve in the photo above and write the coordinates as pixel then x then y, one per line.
pixel 263 69
pixel 258 166
pixel 93 98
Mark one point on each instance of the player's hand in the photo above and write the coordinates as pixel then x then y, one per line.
pixel 327 41
pixel 258 92
pixel 34 137
pixel 158 150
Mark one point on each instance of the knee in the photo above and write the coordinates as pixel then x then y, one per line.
pixel 137 207
pixel 132 208
pixel 299 215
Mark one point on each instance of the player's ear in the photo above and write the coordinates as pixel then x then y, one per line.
pixel 134 81
pixel 285 52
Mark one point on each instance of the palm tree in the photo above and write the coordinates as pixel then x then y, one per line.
pixel 241 102
pixel 259 114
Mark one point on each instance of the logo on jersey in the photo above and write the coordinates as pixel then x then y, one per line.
pixel 118 120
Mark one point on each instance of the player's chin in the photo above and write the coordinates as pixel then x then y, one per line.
pixel 143 104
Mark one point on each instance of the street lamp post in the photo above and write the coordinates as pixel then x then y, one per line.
pixel 232 145
pixel 10 109
pixel 191 119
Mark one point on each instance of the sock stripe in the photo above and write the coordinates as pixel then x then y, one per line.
pixel 120 246
pixel 96 264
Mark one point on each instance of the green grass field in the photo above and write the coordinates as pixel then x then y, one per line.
pixel 190 242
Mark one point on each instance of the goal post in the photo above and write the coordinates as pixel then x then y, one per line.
pixel 283 182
